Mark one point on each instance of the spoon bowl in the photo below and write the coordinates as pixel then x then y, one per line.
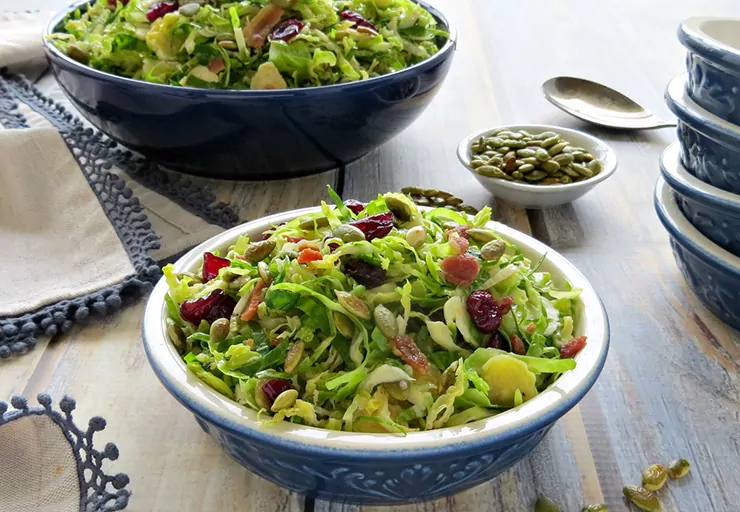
pixel 599 104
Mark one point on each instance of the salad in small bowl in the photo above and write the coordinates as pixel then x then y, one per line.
pixel 383 352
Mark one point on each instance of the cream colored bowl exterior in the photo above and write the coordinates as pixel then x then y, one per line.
pixel 542 196
pixel 592 322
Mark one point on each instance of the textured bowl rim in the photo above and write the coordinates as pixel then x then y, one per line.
pixel 449 46
pixel 692 187
pixel 464 155
pixel 692 35
pixel 531 416
pixel 700 119
pixel 679 228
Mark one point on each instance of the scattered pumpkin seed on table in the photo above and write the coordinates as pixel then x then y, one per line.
pixel 537 159
pixel 438 198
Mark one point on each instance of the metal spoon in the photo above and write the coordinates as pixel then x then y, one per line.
pixel 599 104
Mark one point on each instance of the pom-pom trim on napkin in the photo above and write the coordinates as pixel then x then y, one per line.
pixel 92 152
pixel 96 494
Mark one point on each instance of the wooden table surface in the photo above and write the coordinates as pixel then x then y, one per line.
pixel 670 386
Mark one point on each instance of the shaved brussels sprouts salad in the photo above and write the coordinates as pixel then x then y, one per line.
pixel 257 44
pixel 378 317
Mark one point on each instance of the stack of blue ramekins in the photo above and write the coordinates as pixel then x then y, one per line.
pixel 698 195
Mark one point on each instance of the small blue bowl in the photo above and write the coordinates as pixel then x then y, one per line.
pixel 713 63
pixel 710 146
pixel 245 134
pixel 379 469
pixel 712 211
pixel 711 272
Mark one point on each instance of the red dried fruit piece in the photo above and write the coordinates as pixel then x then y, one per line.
pixel 254 301
pixel 531 327
pixel 458 244
pixel 286 30
pixel 217 65
pixel 460 270
pixel 113 2
pixel 365 273
pixel 354 205
pixel 272 388
pixel 375 226
pixel 333 247
pixel 496 341
pixel 459 230
pixel 213 306
pixel 574 346
pixel 404 347
pixel 212 264
pixel 159 9
pixel 307 255
pixel 517 345
pixel 485 312
pixel 294 239
pixel 358 19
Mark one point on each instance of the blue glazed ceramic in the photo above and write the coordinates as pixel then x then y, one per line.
pixel 713 63
pixel 712 211
pixel 710 146
pixel 251 134
pixel 381 469
pixel 712 273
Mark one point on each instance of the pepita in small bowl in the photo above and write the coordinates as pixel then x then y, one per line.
pixel 537 166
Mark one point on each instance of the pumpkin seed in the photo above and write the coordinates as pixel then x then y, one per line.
pixel 542 155
pixel 596 507
pixel 176 335
pixel 679 468
pixel 258 251
pixel 516 144
pixel 535 176
pixel 654 477
pixel 582 170
pixel 563 159
pixel 412 191
pixel 344 324
pixel 219 330
pixel 348 233
pixel 284 400
pixel 545 135
pixel 354 305
pixel 264 271
pixel 259 395
pixel 293 357
pixel 526 153
pixel 566 179
pixel 517 175
pixel 550 181
pixel 481 235
pixel 491 172
pixel 76 53
pixel 642 498
pixel 430 192
pixel 455 201
pixel 557 148
pixel 595 166
pixel 494 142
pixel 386 321
pixel 550 166
pixel 530 160
pixel 493 250
pixel 469 209
pixel 545 504
pixel 416 236
pixel 447 377
pixel 550 141
pixel 313 223
pixel 526 168
pixel 567 169
pixel 437 201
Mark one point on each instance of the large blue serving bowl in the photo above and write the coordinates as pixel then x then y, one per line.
pixel 713 63
pixel 382 469
pixel 711 272
pixel 244 134
pixel 710 146
pixel 712 211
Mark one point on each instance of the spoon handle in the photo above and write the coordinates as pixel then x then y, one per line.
pixel 665 124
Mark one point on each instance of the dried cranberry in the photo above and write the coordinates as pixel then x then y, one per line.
pixel 358 20
pixel 213 306
pixel 574 346
pixel 212 264
pixel 496 341
pixel 354 205
pixel 267 234
pixel 113 2
pixel 485 312
pixel 460 270
pixel 375 226
pixel 159 9
pixel 365 273
pixel 404 347
pixel 286 30
pixel 273 387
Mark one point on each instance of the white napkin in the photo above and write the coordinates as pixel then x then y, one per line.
pixel 86 235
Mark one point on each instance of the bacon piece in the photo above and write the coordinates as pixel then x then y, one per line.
pixel 259 27
pixel 404 347
pixel 571 348
pixel 254 301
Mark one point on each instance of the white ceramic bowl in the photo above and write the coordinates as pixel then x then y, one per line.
pixel 378 468
pixel 542 196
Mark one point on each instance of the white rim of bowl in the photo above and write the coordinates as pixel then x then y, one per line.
pixel 706 193
pixel 666 198
pixel 609 159
pixel 692 27
pixel 227 413
pixel 678 93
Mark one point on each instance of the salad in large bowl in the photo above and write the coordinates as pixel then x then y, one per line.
pixel 380 317
pixel 249 44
